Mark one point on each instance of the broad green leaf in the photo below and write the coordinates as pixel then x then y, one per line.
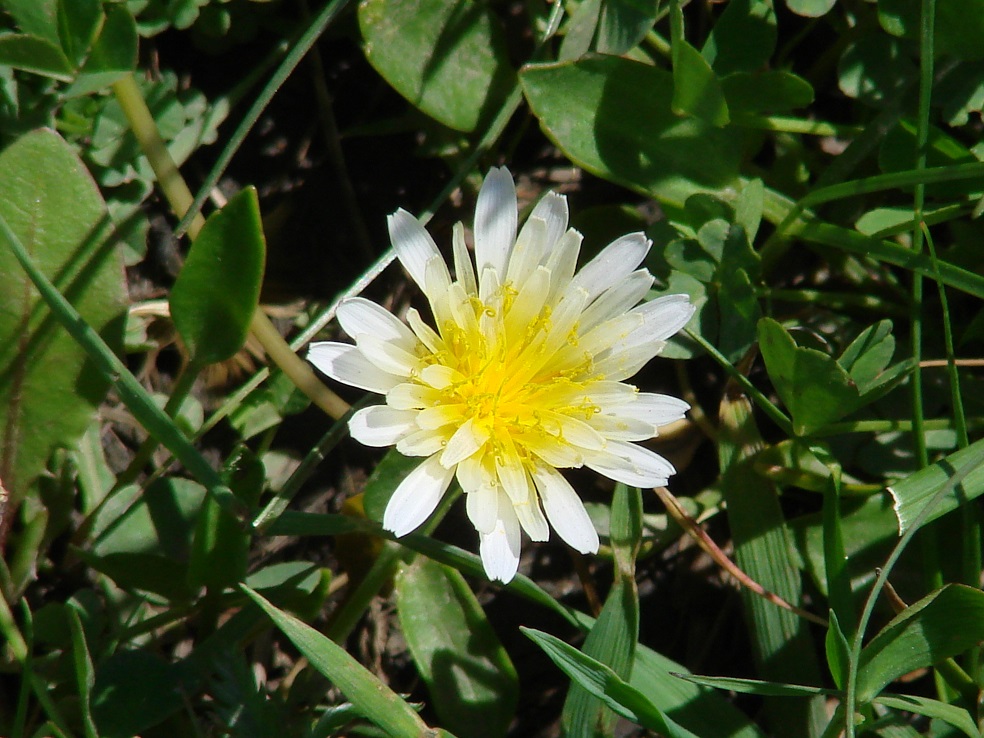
pixel 696 89
pixel 613 638
pixel 580 31
pixel 943 624
pixel 218 289
pixel 78 24
pixel 49 389
pixel 113 54
pixel 960 473
pixel 605 684
pixel 816 388
pixel 624 23
pixel 446 58
pixel 767 91
pixel 868 355
pixel 750 207
pixel 781 646
pixel 743 38
pixel 613 117
pixel 134 691
pixel 36 17
pixel 472 683
pixel 35 54
pixel 810 8
pixel 371 697
pixel 874 69
pixel 869 528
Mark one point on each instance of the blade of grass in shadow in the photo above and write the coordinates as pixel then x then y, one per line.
pixel 371 697
pixel 781 643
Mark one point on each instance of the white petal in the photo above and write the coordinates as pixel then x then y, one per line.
pixel 621 428
pixel 413 244
pixel 617 299
pixel 412 396
pixel 416 497
pixel 389 356
pixel 482 506
pixel 615 262
pixel 526 254
pixel 437 279
pixel 495 220
pixel 360 317
pixel 565 510
pixel 468 439
pixel 666 315
pixel 552 210
pixel 562 262
pixel 654 409
pixel 500 548
pixel 464 271
pixel 512 475
pixel 531 519
pixel 631 464
pixel 345 363
pixel 427 335
pixel 422 443
pixel 381 425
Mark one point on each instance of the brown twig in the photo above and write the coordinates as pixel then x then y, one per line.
pixel 694 530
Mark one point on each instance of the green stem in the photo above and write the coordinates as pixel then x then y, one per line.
pixel 788 124
pixel 777 415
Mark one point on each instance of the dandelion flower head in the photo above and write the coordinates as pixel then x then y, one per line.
pixel 521 375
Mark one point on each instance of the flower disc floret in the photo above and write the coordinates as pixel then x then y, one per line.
pixel 521 375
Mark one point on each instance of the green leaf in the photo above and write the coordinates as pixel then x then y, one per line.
pixel 962 473
pixel 371 697
pixel 743 38
pixel 956 716
pixel 472 683
pixel 218 289
pixel 781 646
pixel 612 116
pixel 814 387
pixel 868 355
pixel 134 691
pixel 767 91
pixel 756 686
pixel 696 89
pixel 624 23
pixel 875 69
pixel 35 54
pixel 899 152
pixel 78 23
pixel 613 638
pixel 36 17
pixel 838 651
pixel 84 675
pixel 113 54
pixel 49 390
pixel 446 58
pixel 606 685
pixel 220 549
pixel 943 624
pixel 810 8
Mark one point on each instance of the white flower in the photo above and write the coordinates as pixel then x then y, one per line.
pixel 522 375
